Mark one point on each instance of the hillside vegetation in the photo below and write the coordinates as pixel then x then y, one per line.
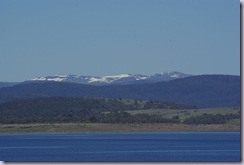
pixel 109 110
pixel 79 109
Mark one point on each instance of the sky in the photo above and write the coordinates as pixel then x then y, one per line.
pixel 110 37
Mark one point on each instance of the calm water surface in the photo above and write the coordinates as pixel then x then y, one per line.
pixel 125 147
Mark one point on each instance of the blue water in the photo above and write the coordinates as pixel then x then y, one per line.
pixel 122 147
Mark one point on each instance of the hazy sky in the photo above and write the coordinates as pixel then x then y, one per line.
pixel 108 37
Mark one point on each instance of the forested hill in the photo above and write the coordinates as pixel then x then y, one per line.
pixel 77 109
pixel 202 91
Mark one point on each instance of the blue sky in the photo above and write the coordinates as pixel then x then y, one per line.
pixel 108 37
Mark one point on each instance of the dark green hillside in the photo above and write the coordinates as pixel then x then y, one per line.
pixel 77 109
pixel 202 91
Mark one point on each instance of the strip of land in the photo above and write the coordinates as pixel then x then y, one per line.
pixel 102 127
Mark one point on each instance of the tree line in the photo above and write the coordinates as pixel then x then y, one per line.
pixel 96 110
pixel 81 109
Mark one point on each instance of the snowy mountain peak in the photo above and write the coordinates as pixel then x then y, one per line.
pixel 175 74
pixel 114 79
pixel 52 78
pixel 62 75
pixel 119 76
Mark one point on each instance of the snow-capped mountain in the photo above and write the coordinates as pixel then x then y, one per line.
pixel 116 79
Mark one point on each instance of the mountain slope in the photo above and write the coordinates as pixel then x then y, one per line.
pixel 7 84
pixel 202 91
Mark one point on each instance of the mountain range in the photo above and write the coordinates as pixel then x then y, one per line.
pixel 121 79
pixel 200 90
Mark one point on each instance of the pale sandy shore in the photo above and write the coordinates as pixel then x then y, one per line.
pixel 102 127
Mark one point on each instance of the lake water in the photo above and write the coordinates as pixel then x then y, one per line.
pixel 122 147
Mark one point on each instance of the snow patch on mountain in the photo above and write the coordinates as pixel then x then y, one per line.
pixel 52 78
pixel 108 79
pixel 114 79
pixel 39 79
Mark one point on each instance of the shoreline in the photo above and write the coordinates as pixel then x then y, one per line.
pixel 104 127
